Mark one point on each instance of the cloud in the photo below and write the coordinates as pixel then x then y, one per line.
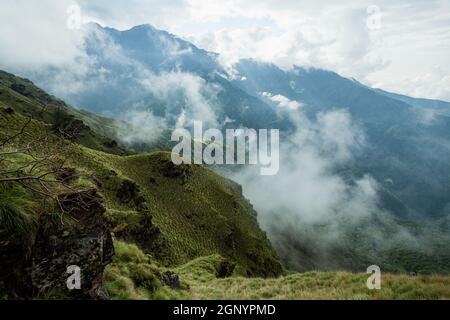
pixel 307 191
pixel 282 101
pixel 126 14
pixel 432 84
pixel 195 99
pixel 139 126
pixel 322 34
pixel 335 36
pixel 338 135
pixel 35 34
pixel 307 184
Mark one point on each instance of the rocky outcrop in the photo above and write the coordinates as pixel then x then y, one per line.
pixel 79 241
pixel 171 170
pixel 225 268
pixel 139 230
pixel 169 279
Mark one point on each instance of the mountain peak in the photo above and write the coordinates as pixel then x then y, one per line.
pixel 145 26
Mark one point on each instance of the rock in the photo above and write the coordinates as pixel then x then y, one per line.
pixel 171 170
pixel 110 144
pixel 20 88
pixel 127 191
pixel 169 279
pixel 225 268
pixel 9 110
pixel 87 244
pixel 66 175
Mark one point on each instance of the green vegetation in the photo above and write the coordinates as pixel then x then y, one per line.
pixel 200 276
pixel 132 276
pixel 16 210
pixel 164 218
pixel 22 96
pixel 174 213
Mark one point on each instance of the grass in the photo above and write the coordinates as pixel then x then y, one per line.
pixel 17 215
pixel 200 276
pixel 132 276
pixel 201 214
pixel 201 217
pixel 23 96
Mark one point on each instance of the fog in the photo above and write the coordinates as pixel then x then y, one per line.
pixel 315 211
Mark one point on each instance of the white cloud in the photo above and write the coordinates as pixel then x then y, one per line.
pixel 334 36
pixel 307 188
pixel 413 38
pixel 199 97
pixel 35 33
pixel 282 101
pixel 139 127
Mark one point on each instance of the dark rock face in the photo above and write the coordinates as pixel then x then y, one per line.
pixel 169 279
pixel 20 88
pixel 110 144
pixel 85 242
pixel 127 191
pixel 171 170
pixel 225 268
pixel 144 232
pixel 9 110
pixel 68 126
pixel 67 175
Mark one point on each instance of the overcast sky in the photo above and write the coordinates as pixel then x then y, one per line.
pixel 402 46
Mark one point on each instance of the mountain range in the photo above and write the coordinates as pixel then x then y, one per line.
pixel 170 80
pixel 356 162
pixel 86 179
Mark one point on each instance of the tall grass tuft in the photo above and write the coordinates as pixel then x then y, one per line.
pixel 17 217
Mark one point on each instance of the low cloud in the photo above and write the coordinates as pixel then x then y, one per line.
pixel 306 182
pixel 34 34
pixel 310 204
pixel 282 101
pixel 185 95
pixel 140 127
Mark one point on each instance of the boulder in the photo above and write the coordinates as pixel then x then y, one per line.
pixel 170 279
pixel 84 242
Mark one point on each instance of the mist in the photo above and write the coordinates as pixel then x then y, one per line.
pixel 318 214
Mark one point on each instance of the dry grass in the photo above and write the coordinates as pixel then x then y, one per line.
pixel 203 284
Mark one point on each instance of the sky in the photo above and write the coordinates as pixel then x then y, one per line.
pixel 401 46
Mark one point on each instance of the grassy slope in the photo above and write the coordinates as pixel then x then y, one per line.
pixel 199 275
pixel 128 278
pixel 200 217
pixel 23 96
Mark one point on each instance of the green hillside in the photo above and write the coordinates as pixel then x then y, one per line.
pixel 178 231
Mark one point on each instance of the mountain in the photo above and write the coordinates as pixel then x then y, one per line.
pixel 151 81
pixel 139 69
pixel 138 226
pixel 152 71
pixel 74 182
pixel 408 138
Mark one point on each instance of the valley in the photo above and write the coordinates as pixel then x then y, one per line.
pixel 357 176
